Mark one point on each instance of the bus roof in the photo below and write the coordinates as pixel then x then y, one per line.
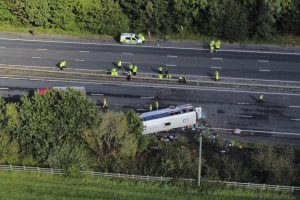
pixel 166 110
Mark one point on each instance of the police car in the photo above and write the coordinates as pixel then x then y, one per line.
pixel 131 38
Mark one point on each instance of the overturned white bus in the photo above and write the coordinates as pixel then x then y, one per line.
pixel 170 118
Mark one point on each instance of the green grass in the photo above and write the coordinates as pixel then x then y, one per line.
pixel 20 185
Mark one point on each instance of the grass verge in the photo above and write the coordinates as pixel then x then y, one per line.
pixel 20 185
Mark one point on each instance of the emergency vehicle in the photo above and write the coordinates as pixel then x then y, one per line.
pixel 171 118
pixel 131 38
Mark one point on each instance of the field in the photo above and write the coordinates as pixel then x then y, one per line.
pixel 20 185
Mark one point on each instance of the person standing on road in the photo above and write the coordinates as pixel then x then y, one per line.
pixel 156 104
pixel 104 103
pixel 135 69
pixel 119 64
pixel 160 70
pixel 166 72
pixel 261 99
pixel 62 64
pixel 150 106
pixel 217 76
pixel 131 67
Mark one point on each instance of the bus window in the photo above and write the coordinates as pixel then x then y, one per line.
pixel 168 124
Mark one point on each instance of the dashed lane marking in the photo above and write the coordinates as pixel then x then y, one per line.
pixel 95 94
pixel 264 70
pixel 41 49
pixel 79 60
pixel 263 61
pixel 170 65
pixel 2 47
pixel 244 116
pixel 295 119
pixel 140 109
pixel 217 58
pixel 147 97
pixel 84 51
pixel 171 56
pixel 216 67
pixel 36 57
pixel 130 54
pixel 242 103
pixel 258 131
pixel 4 88
pixel 294 106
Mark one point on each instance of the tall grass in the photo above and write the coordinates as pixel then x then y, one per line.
pixel 20 185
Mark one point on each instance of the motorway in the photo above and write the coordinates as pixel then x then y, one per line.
pixel 222 108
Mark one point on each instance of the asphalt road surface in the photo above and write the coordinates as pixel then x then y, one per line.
pixel 228 109
pixel 180 60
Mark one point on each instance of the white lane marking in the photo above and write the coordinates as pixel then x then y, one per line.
pixel 36 57
pixel 244 116
pixel 2 47
pixel 242 103
pixel 126 62
pixel 171 56
pixel 4 88
pixel 295 119
pixel 140 109
pixel 133 46
pixel 41 49
pixel 257 131
pixel 84 51
pixel 217 58
pixel 147 97
pixel 294 106
pixel 79 60
pixel 216 67
pixel 170 65
pixel 130 54
pixel 264 70
pixel 263 61
pixel 95 94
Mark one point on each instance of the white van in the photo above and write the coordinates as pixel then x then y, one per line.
pixel 130 38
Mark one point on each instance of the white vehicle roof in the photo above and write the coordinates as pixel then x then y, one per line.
pixel 128 35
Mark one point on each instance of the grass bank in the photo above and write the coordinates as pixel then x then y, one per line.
pixel 20 185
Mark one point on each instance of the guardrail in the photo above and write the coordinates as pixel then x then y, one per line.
pixel 148 178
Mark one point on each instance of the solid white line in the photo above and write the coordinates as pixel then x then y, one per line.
pixel 216 67
pixel 84 51
pixel 257 131
pixel 264 61
pixel 217 58
pixel 96 94
pixel 4 88
pixel 170 65
pixel 78 60
pixel 294 106
pixel 133 46
pixel 36 57
pixel 130 54
pixel 245 116
pixel 171 56
pixel 295 119
pixel 147 97
pixel 41 49
pixel 264 70
pixel 242 103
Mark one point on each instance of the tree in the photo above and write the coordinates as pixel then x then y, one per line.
pixel 72 155
pixel 9 149
pixel 51 118
pixel 274 166
pixel 111 142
